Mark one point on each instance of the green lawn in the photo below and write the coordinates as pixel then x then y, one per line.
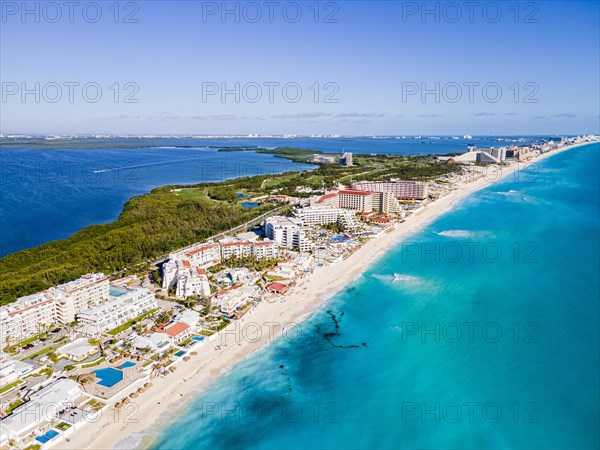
pixel 95 363
pixel 8 387
pixel 129 323
pixel 195 194
pixel 42 352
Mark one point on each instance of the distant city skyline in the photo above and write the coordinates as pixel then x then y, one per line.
pixel 348 68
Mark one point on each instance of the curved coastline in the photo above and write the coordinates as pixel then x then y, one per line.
pixel 173 394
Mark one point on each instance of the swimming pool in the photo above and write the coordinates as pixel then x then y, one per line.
pixel 116 291
pixel 338 238
pixel 109 376
pixel 198 338
pixel 50 434
pixel 180 353
pixel 126 364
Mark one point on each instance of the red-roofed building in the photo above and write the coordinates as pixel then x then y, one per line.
pixel 177 331
pixel 276 287
pixel 356 200
pixel 204 255
pixel 234 248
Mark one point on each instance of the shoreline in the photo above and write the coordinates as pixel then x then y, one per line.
pixel 216 357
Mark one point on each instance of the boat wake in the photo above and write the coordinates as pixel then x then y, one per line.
pixel 161 163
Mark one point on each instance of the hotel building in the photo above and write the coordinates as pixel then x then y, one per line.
pixel 235 248
pixel 34 313
pixel 266 249
pixel 288 232
pixel 83 293
pixel 321 216
pixel 401 189
pixel 27 316
pixel 42 410
pixel 346 159
pixel 362 201
pixel 191 281
pixel 204 255
pixel 356 200
pixel 116 311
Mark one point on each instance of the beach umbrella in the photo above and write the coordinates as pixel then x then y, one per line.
pixel 135 395
pixel 141 390
pixel 149 385
pixel 173 368
pixel 126 401
pixel 186 358
pixel 194 353
pixel 118 405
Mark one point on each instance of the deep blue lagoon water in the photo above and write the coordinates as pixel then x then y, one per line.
pixel 481 331
pixel 49 194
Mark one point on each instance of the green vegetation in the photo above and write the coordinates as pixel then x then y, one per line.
pixel 335 227
pixel 94 405
pixel 129 323
pixel 8 387
pixel 14 405
pixel 42 352
pixel 33 447
pixel 93 364
pixel 172 217
pixel 249 262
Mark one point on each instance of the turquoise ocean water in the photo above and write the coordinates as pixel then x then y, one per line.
pixel 487 337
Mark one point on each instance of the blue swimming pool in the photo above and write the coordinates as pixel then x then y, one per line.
pixel 250 205
pixel 109 376
pixel 198 338
pixel 180 353
pixel 47 436
pixel 126 364
pixel 116 291
pixel 338 238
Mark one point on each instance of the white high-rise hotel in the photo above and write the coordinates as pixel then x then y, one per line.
pixel 399 188
pixel 60 304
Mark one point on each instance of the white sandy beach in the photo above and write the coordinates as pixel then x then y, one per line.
pixel 223 352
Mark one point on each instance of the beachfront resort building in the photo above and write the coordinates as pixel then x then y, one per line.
pixel 42 409
pixel 323 216
pixel 34 313
pixel 186 271
pixel 12 369
pixel 117 311
pixel 235 248
pixel 177 332
pixel 401 189
pixel 204 255
pixel 231 300
pixel 288 232
pixel 361 201
pixel 265 249
pixel 26 317
pixel 83 293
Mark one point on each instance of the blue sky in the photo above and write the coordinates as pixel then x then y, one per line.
pixel 535 72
